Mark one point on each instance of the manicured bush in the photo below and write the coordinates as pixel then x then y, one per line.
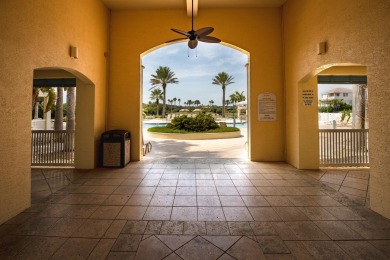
pixel 201 123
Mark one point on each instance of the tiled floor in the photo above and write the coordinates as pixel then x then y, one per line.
pixel 352 183
pixel 194 209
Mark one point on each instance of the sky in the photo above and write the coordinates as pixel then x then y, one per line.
pixel 195 70
pixel 195 73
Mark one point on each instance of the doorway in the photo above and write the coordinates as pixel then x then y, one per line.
pixel 195 94
pixel 69 147
pixel 343 120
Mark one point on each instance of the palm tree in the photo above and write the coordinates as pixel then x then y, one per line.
pixel 70 116
pixel 237 97
pixel 51 95
pixel 240 96
pixel 179 101
pixel 163 77
pixel 156 94
pixel 58 120
pixel 189 102
pixel 70 108
pixel 197 102
pixel 174 100
pixel 223 79
pixel 233 99
pixel 211 102
pixel 170 101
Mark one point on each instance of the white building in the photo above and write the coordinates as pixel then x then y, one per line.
pixel 344 94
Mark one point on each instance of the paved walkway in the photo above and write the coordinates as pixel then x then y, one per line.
pixel 193 209
pixel 214 148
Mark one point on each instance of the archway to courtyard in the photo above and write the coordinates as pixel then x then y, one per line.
pixel 310 146
pixel 75 147
pixel 195 94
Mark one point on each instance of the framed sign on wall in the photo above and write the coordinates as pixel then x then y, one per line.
pixel 266 104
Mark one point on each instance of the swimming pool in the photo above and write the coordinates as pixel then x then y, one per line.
pixel 148 125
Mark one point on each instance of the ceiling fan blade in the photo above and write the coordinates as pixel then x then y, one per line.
pixel 176 40
pixel 204 31
pixel 192 44
pixel 209 39
pixel 181 32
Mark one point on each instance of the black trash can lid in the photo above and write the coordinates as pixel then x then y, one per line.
pixel 116 132
pixel 112 133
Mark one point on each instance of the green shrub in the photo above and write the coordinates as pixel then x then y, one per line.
pixel 200 123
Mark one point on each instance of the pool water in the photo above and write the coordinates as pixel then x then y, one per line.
pixel 148 125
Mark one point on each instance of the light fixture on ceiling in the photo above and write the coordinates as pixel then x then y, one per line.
pixel 195 36
pixel 191 6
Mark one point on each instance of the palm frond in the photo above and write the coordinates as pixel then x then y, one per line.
pixel 52 97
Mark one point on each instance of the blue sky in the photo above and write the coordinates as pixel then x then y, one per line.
pixel 195 74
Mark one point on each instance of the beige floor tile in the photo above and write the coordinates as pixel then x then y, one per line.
pixel 152 248
pixel 132 212
pixel 246 248
pixel 185 191
pixel 185 201
pixel 184 213
pixel 162 200
pixel 237 214
pixel 158 213
pixel 76 248
pixel 264 214
pixel 209 251
pixel 210 214
pixel 106 212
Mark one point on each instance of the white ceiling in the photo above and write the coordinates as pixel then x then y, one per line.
pixel 170 4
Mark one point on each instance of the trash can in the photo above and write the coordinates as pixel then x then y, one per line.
pixel 115 148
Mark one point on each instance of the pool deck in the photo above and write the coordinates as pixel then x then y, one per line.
pixel 215 148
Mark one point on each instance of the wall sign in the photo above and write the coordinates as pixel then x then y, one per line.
pixel 308 97
pixel 266 103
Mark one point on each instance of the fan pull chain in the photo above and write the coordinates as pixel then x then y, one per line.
pixel 188 52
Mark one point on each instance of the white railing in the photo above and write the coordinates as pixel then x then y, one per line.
pixel 343 147
pixel 52 148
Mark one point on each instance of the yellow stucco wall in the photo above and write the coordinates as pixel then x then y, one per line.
pixel 257 31
pixel 357 33
pixel 38 34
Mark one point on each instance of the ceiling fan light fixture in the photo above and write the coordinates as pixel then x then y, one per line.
pixel 192 35
pixel 192 44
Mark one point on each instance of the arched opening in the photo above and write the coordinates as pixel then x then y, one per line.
pixel 195 94
pixel 309 143
pixel 82 155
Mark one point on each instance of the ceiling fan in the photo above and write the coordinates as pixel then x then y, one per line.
pixel 195 36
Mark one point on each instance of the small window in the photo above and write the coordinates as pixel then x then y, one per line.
pixel 337 94
pixel 345 94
